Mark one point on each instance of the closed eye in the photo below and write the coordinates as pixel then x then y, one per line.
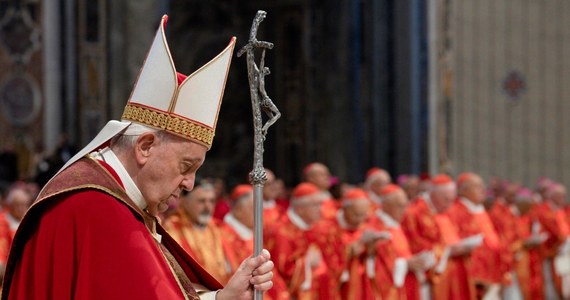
pixel 189 167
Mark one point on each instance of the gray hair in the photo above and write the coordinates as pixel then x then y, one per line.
pixel 128 138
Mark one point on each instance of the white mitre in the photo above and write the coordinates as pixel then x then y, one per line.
pixel 189 109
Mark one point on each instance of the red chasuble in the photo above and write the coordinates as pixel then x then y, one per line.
pixel 288 245
pixel 85 239
pixel 553 222
pixel 239 249
pixel 485 261
pixel 429 231
pixel 6 236
pixel 385 265
pixel 346 268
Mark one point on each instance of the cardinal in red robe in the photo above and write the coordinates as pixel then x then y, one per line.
pixel 295 246
pixel 428 228
pixel 556 249
pixel 469 215
pixel 395 272
pixel 237 233
pixel 319 175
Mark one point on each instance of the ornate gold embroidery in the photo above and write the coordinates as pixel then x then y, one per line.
pixel 176 125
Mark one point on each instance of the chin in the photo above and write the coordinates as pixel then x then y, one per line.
pixel 162 207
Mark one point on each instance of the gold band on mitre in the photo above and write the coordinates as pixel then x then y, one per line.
pixel 171 123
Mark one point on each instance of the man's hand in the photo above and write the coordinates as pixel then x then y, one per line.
pixel 417 263
pixel 253 273
pixel 313 257
pixel 460 250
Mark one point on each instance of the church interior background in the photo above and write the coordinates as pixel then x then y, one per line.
pixel 407 85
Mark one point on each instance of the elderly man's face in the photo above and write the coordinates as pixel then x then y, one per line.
pixel 199 205
pixel 442 198
pixel 474 189
pixel 20 201
pixel 270 189
pixel 395 205
pixel 320 176
pixel 310 209
pixel 558 195
pixel 166 166
pixel 243 211
pixel 356 213
pixel 381 180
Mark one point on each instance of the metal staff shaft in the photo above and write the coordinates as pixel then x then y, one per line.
pixel 259 100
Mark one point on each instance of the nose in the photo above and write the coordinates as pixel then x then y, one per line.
pixel 187 182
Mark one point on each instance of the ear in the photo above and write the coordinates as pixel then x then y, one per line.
pixel 144 145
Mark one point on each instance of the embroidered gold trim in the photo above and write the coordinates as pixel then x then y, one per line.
pixel 174 124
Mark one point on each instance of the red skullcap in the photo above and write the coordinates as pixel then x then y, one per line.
pixel 241 190
pixel 441 179
pixel 305 189
pixel 389 189
pixel 307 168
pixel 373 171
pixel 355 194
pixel 464 177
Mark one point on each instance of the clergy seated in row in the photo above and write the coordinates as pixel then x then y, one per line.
pixel 237 229
pixel 556 249
pixel 319 175
pixel 394 271
pixel 294 244
pixel 345 240
pixel 429 229
pixel 194 228
pixel 376 180
pixel 484 266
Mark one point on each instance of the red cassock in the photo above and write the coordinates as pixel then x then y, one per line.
pixel 553 222
pixel 289 245
pixel 271 215
pixel 510 236
pixel 346 268
pixel 385 263
pixel 329 208
pixel 6 236
pixel 527 265
pixel 240 248
pixel 86 239
pixel 484 265
pixel 429 231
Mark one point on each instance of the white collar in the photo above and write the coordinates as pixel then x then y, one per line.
pixel 427 199
pixel 515 210
pixel 131 188
pixel 242 230
pixel 297 220
pixel 375 198
pixel 12 222
pixel 326 195
pixel 270 203
pixel 472 207
pixel 341 220
pixel 387 219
